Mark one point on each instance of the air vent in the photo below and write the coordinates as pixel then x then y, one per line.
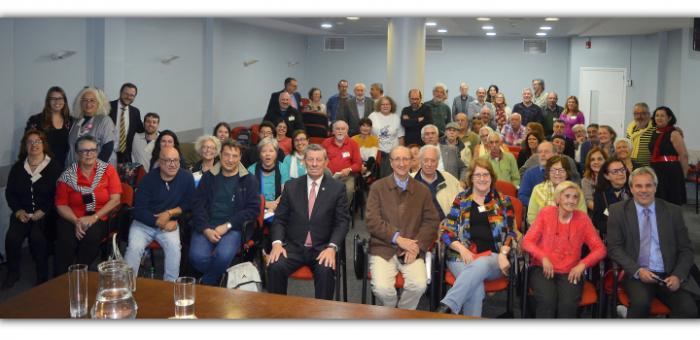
pixel 334 44
pixel 433 44
pixel 535 46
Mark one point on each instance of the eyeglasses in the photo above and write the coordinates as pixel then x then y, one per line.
pixel 171 161
pixel 557 170
pixel 85 152
pixel 56 99
pixel 34 142
pixel 90 101
pixel 484 175
pixel 208 147
pixel 617 171
pixel 401 159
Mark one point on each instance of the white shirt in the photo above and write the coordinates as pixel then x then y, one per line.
pixel 388 130
pixel 309 182
pixel 141 150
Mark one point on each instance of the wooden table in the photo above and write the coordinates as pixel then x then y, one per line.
pixel 155 301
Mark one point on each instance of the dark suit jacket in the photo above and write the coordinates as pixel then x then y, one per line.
pixel 294 119
pixel 275 101
pixel 329 218
pixel 353 117
pixel 135 126
pixel 569 148
pixel 623 237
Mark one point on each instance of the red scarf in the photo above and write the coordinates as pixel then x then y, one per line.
pixel 662 132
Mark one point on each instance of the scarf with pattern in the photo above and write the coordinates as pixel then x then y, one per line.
pixel 70 177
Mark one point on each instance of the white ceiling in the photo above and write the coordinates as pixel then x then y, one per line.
pixel 469 26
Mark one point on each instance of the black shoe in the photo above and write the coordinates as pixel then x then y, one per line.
pixel 10 281
pixel 444 309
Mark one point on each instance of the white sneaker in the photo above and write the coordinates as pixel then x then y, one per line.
pixel 622 311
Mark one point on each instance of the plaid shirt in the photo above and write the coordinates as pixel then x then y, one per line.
pixel 511 137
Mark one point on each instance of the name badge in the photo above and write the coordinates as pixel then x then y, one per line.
pixel 482 209
pixel 605 212
pixel 291 118
pixel 346 154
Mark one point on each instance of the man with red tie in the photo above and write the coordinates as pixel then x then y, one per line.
pixel 310 225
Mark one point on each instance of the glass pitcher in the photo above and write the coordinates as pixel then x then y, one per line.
pixel 114 292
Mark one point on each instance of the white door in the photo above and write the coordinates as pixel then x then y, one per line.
pixel 602 96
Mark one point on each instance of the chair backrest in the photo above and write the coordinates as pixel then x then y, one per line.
pixel 316 140
pixel 518 210
pixel 127 195
pixel 316 124
pixel 515 150
pixel 255 134
pixel 506 188
pixel 261 215
pixel 140 172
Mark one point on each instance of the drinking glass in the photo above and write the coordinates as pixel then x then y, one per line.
pixel 184 297
pixel 78 290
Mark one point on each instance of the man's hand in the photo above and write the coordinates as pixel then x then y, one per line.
pixel 547 268
pixel 327 258
pixel 277 250
pixel 420 119
pixel 646 276
pixel 408 245
pixel 409 257
pixel 271 205
pixel 221 229
pixel 673 283
pixel 576 272
pixel 170 226
pixel 162 219
pixel 345 172
pixel 211 235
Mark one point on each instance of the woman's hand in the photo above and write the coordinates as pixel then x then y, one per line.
pixel 22 216
pixel 503 263
pixel 466 255
pixel 576 272
pixel 271 205
pixel 37 215
pixel 547 268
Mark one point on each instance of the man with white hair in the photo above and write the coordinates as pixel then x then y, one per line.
pixel 440 110
pixel 530 111
pixel 344 158
pixel 487 118
pixel 357 106
pixel 476 105
pixel 539 97
pixel 443 186
pixel 514 132
pixel 504 164
pixel 449 160
pixel 461 102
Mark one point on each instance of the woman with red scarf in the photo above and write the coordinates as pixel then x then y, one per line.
pixel 669 157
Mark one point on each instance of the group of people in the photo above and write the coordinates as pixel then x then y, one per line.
pixel 431 171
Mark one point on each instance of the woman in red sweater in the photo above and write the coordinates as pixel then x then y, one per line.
pixel 554 241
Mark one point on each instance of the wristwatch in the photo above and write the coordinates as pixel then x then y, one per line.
pixel 333 246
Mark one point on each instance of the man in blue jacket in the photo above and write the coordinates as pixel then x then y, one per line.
pixel 222 204
pixel 161 197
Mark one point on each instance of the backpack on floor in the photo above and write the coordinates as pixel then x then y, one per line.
pixel 244 276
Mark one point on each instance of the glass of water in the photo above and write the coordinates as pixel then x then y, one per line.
pixel 184 297
pixel 78 290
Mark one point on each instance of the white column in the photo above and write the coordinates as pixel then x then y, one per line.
pixel 405 58
pixel 114 57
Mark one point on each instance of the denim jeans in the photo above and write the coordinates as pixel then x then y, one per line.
pixel 141 235
pixel 467 294
pixel 212 259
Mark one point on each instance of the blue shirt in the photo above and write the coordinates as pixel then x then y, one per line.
pixel 401 184
pixel 656 262
pixel 531 178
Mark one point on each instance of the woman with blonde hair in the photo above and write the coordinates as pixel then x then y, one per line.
pixel 92 118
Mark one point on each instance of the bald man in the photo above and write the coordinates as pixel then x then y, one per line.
pixel 284 111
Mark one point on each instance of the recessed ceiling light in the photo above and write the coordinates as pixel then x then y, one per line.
pixel 546 28
pixel 487 27
pixel 326 25
pixel 483 19
pixel 353 18
pixel 551 19
pixel 491 34
pixel 442 30
pixel 431 23
pixel 541 34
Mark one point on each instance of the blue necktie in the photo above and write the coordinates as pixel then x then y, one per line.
pixel 645 239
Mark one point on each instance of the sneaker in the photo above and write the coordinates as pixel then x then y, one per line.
pixel 622 311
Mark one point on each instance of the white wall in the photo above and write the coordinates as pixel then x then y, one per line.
pixel 687 110
pixel 363 61
pixel 7 88
pixel 242 93
pixel 481 62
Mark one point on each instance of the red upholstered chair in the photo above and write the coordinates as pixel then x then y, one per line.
pixel 254 134
pixel 611 284
pixel 506 188
pixel 693 177
pixel 515 150
pixel 119 219
pixel 236 131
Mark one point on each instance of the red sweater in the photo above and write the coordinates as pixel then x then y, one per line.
pixel 344 156
pixel 561 243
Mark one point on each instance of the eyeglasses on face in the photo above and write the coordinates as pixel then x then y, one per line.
pixel 557 170
pixel 33 142
pixel 484 175
pixel 170 161
pixel 85 152
pixel 617 171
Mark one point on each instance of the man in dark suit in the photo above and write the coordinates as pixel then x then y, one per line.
pixel 568 143
pixel 290 86
pixel 358 107
pixel 284 111
pixel 309 231
pixel 648 238
pixel 127 120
